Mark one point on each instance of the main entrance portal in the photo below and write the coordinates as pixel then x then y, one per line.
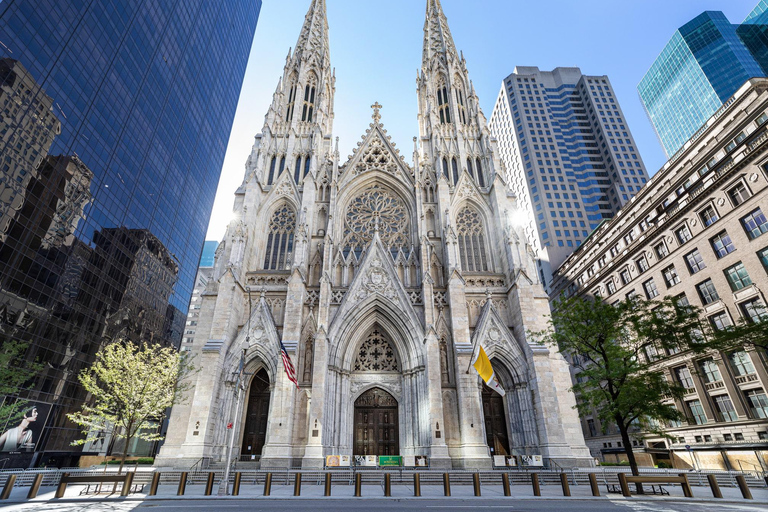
pixel 256 416
pixel 495 422
pixel 376 424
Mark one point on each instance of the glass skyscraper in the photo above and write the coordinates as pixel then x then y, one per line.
pixel 115 119
pixel 703 65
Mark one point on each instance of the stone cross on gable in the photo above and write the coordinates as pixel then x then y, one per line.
pixel 376 116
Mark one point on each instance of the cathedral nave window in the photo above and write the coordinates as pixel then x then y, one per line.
pixel 442 104
pixel 280 239
pixel 271 176
pixel 309 103
pixel 471 234
pixel 291 103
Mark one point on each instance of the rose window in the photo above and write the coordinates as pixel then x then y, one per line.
pixel 375 208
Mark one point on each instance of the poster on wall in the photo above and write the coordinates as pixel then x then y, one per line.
pixel 421 461
pixel 337 461
pixel 21 434
pixel 366 460
pixel 532 460
pixel 499 461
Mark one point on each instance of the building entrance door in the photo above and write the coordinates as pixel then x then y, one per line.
pixel 495 422
pixel 256 416
pixel 376 424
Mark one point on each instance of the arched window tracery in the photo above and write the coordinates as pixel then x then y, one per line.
pixel 291 102
pixel 309 102
pixel 279 252
pixel 376 354
pixel 376 208
pixel 471 234
pixel 443 105
pixel 460 103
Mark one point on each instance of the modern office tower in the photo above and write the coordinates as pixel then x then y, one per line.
pixel 568 154
pixel 116 116
pixel 696 232
pixel 204 274
pixel 699 69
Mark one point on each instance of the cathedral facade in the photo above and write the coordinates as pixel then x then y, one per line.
pixel 380 278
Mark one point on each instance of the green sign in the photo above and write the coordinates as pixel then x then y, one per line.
pixel 390 460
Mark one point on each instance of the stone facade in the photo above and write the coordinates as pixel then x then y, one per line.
pixel 375 274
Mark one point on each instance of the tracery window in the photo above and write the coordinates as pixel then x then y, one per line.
pixel 376 207
pixel 471 235
pixel 442 104
pixel 291 102
pixel 309 103
pixel 462 109
pixel 279 251
pixel 376 354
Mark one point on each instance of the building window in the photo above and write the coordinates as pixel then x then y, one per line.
pixel 708 216
pixel 455 169
pixel 754 310
pixel 593 428
pixel 697 412
pixel 710 371
pixel 480 174
pixel 722 244
pixel 291 102
pixel 650 289
pixel 707 292
pixel 758 402
pixel 661 250
pixel 725 407
pixel 280 239
pixel 445 169
pixel 642 264
pixel 741 363
pixel 271 175
pixel 738 194
pixel 610 286
pixel 309 103
pixel 670 276
pixel 720 321
pixel 462 110
pixel 683 234
pixel 471 240
pixel 442 104
pixel 763 255
pixel 737 276
pixel 695 261
pixel 755 224
pixel 684 377
pixel 625 276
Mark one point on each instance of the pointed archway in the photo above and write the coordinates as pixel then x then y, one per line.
pixel 376 428
pixel 495 417
pixel 256 416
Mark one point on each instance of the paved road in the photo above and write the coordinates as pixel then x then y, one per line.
pixel 384 505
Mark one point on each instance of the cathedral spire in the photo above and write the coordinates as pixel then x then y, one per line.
pixel 438 41
pixel 313 38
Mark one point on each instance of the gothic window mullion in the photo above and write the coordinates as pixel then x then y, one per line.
pixel 279 250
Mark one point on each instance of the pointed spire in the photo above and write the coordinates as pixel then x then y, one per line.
pixel 314 33
pixel 437 35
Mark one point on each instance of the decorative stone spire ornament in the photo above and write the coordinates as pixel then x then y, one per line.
pixel 376 115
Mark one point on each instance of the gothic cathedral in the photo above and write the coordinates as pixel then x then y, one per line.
pixel 379 277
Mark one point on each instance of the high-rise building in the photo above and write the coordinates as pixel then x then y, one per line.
pixel 116 117
pixel 204 274
pixel 568 154
pixel 699 69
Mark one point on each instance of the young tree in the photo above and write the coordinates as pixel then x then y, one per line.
pixel 614 347
pixel 131 388
pixel 14 372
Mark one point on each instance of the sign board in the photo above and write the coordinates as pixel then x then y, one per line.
pixel 366 460
pixel 390 460
pixel 501 461
pixel 532 460
pixel 413 461
pixel 22 432
pixel 337 461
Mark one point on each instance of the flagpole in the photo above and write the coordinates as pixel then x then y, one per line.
pixel 474 349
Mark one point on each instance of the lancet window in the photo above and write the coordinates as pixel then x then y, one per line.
pixel 376 208
pixel 455 169
pixel 445 169
pixel 282 166
pixel 291 102
pixel 472 249
pixel 442 104
pixel 271 176
pixel 297 174
pixel 480 175
pixel 279 251
pixel 462 109
pixel 309 103
pixel 376 354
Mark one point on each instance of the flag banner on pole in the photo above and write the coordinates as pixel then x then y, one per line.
pixel 288 365
pixel 483 366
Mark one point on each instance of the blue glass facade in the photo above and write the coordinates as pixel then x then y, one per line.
pixel 703 65
pixel 209 253
pixel 118 114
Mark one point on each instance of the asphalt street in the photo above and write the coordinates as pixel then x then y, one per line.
pixel 387 505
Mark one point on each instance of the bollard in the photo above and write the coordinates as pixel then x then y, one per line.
pixel 358 485
pixel 564 483
pixel 416 484
pixel 62 486
pixel 35 486
pixel 268 484
pixel 387 484
pixel 535 483
pixel 624 485
pixel 446 484
pixel 505 484
pixel 328 484
pixel 127 484
pixel 745 492
pixel 209 483
pixel 182 484
pixel 476 483
pixel 687 491
pixel 154 485
pixel 236 484
pixel 715 487
pixel 593 485
pixel 297 485
pixel 7 487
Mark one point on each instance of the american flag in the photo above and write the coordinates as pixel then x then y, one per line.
pixel 288 365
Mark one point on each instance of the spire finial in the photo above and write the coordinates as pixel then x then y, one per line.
pixel 376 116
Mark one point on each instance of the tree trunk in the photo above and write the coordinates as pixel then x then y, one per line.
pixel 624 431
pixel 128 437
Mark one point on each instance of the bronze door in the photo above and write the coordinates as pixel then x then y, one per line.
pixel 376 424
pixel 256 415
pixel 495 422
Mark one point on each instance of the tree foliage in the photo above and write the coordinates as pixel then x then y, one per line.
pixel 131 388
pixel 14 373
pixel 614 347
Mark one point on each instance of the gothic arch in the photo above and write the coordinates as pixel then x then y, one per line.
pixel 280 237
pixel 475 240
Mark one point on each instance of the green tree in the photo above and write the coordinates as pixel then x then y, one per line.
pixel 615 347
pixel 15 371
pixel 131 388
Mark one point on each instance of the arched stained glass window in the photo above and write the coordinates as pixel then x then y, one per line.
pixel 309 103
pixel 443 106
pixel 291 102
pixel 462 110
pixel 271 176
pixel 279 251
pixel 472 250
pixel 376 354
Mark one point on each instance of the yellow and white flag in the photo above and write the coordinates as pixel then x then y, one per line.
pixel 483 366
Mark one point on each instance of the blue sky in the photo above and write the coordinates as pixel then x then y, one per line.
pixel 376 50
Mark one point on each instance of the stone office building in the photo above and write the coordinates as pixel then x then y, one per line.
pixel 378 277
pixel 696 232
